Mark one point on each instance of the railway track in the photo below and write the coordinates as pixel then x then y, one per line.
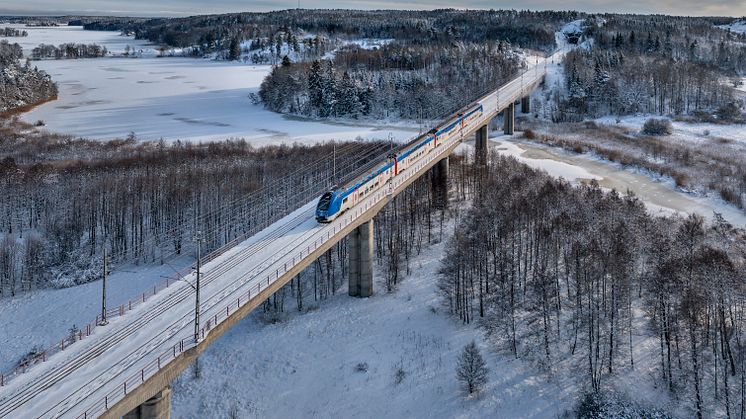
pixel 184 323
pixel 13 401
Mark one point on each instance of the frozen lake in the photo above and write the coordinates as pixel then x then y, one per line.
pixel 169 98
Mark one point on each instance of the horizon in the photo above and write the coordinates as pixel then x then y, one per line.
pixel 185 8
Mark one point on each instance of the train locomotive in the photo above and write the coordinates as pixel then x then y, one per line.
pixel 336 201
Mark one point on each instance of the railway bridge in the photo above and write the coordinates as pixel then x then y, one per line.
pixel 100 376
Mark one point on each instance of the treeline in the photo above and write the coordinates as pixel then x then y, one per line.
pixel 571 277
pixel 144 202
pixel 13 32
pixel 215 32
pixel 673 38
pixel 602 82
pixel 68 51
pixel 651 64
pixel 410 81
pixel 275 47
pixel 21 86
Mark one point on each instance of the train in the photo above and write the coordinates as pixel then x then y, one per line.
pixel 336 201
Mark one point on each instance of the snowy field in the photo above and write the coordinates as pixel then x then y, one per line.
pixel 737 26
pixel 36 318
pixel 170 98
pixel 305 367
pixel 682 131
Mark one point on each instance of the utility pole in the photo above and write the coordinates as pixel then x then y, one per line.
pixel 104 321
pixel 334 163
pixel 197 239
pixel 421 122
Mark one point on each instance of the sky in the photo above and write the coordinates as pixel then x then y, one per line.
pixel 192 7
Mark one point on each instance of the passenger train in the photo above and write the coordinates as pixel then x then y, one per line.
pixel 338 200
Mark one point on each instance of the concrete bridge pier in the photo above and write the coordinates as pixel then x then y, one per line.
pixel 156 407
pixel 360 249
pixel 526 104
pixel 509 119
pixel 440 184
pixel 481 144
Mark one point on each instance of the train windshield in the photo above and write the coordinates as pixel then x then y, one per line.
pixel 324 201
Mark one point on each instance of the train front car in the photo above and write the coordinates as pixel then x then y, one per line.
pixel 328 207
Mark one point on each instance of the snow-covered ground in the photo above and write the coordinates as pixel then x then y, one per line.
pixel 738 26
pixel 682 131
pixel 170 98
pixel 36 317
pixel 306 366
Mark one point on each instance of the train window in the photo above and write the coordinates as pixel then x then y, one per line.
pixel 325 200
pixel 344 201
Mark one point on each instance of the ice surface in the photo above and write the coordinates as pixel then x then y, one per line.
pixel 171 98
pixel 114 42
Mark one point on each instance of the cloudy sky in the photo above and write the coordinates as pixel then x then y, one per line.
pixel 191 7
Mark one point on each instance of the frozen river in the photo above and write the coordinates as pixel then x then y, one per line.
pixel 169 98
pixel 660 197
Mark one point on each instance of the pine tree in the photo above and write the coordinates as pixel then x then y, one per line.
pixel 73 334
pixel 234 50
pixel 348 103
pixel 315 85
pixel 472 370
pixel 329 92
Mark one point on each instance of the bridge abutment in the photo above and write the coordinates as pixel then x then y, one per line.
pixel 156 407
pixel 360 248
pixel 440 183
pixel 509 119
pixel 526 104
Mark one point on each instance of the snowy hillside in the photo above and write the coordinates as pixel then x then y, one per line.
pixel 738 26
pixel 341 359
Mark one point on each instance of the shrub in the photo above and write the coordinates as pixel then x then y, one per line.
pixel 399 375
pixel 657 127
pixel 730 112
pixel 680 179
pixel 730 196
pixel 614 406
pixel 361 367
